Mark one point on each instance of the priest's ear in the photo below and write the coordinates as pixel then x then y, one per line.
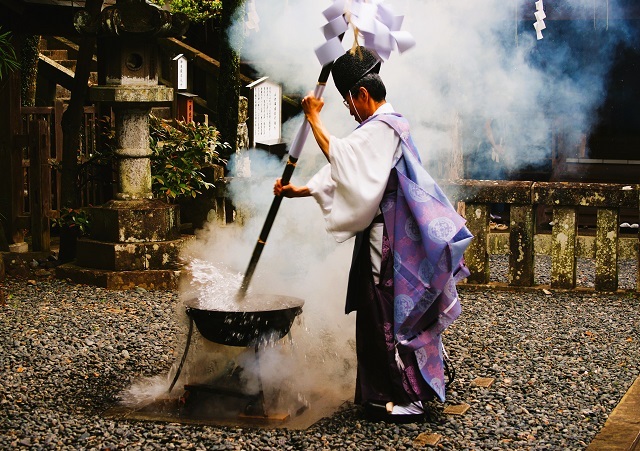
pixel 362 94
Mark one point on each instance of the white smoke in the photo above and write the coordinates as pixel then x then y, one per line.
pixel 299 260
pixel 473 62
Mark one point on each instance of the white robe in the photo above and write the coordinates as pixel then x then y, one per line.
pixel 350 188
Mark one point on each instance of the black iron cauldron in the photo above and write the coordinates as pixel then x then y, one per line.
pixel 246 327
pixel 265 315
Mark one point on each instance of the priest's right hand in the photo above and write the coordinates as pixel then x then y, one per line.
pixel 282 190
pixel 312 105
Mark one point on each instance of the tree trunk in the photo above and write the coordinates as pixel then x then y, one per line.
pixel 72 118
pixel 229 78
pixel 29 69
pixel 72 121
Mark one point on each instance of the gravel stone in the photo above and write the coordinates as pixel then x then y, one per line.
pixel 561 363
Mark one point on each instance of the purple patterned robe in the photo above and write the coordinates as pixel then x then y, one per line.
pixel 400 321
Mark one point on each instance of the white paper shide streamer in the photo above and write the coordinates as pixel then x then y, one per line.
pixel 375 23
pixel 540 16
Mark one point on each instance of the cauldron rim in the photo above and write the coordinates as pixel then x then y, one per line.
pixel 296 303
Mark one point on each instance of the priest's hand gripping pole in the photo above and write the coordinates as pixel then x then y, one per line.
pixel 294 154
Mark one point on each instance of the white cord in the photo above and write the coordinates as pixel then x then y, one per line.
pixel 354 106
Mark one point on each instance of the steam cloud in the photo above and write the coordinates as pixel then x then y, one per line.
pixel 474 61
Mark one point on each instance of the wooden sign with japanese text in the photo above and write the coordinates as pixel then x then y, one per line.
pixel 265 112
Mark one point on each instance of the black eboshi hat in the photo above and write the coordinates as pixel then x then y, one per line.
pixel 352 67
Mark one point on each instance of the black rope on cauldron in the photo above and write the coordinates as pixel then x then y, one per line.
pixel 184 356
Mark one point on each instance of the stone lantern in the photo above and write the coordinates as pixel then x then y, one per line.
pixel 135 240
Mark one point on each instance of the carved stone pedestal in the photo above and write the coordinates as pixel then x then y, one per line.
pixel 133 243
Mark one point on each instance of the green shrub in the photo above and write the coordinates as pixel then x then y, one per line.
pixel 75 219
pixel 179 156
pixel 8 60
pixel 197 11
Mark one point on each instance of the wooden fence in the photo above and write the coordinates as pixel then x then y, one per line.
pixel 36 178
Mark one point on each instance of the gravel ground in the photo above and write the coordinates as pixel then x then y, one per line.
pixel 561 363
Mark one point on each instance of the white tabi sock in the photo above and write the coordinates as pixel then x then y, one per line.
pixel 408 409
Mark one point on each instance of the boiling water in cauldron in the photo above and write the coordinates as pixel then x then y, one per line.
pixel 211 286
pixel 215 287
pixel 322 351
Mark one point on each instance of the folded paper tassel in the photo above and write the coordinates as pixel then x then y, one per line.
pixel 377 23
pixel 329 51
pixel 539 24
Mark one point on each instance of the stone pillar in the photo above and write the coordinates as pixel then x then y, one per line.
pixel 476 256
pixel 243 129
pixel 607 249
pixel 564 236
pixel 521 266
pixel 133 152
pixel 243 164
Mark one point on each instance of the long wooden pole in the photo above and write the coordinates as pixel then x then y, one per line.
pixel 294 154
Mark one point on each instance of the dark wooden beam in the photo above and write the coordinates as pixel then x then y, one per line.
pixel 10 156
pixel 15 6
pixel 37 19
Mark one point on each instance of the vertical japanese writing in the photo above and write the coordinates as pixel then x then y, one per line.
pixel 266 112
pixel 182 73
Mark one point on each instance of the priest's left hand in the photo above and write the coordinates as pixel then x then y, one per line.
pixel 290 190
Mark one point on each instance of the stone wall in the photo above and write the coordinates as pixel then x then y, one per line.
pixel 564 243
